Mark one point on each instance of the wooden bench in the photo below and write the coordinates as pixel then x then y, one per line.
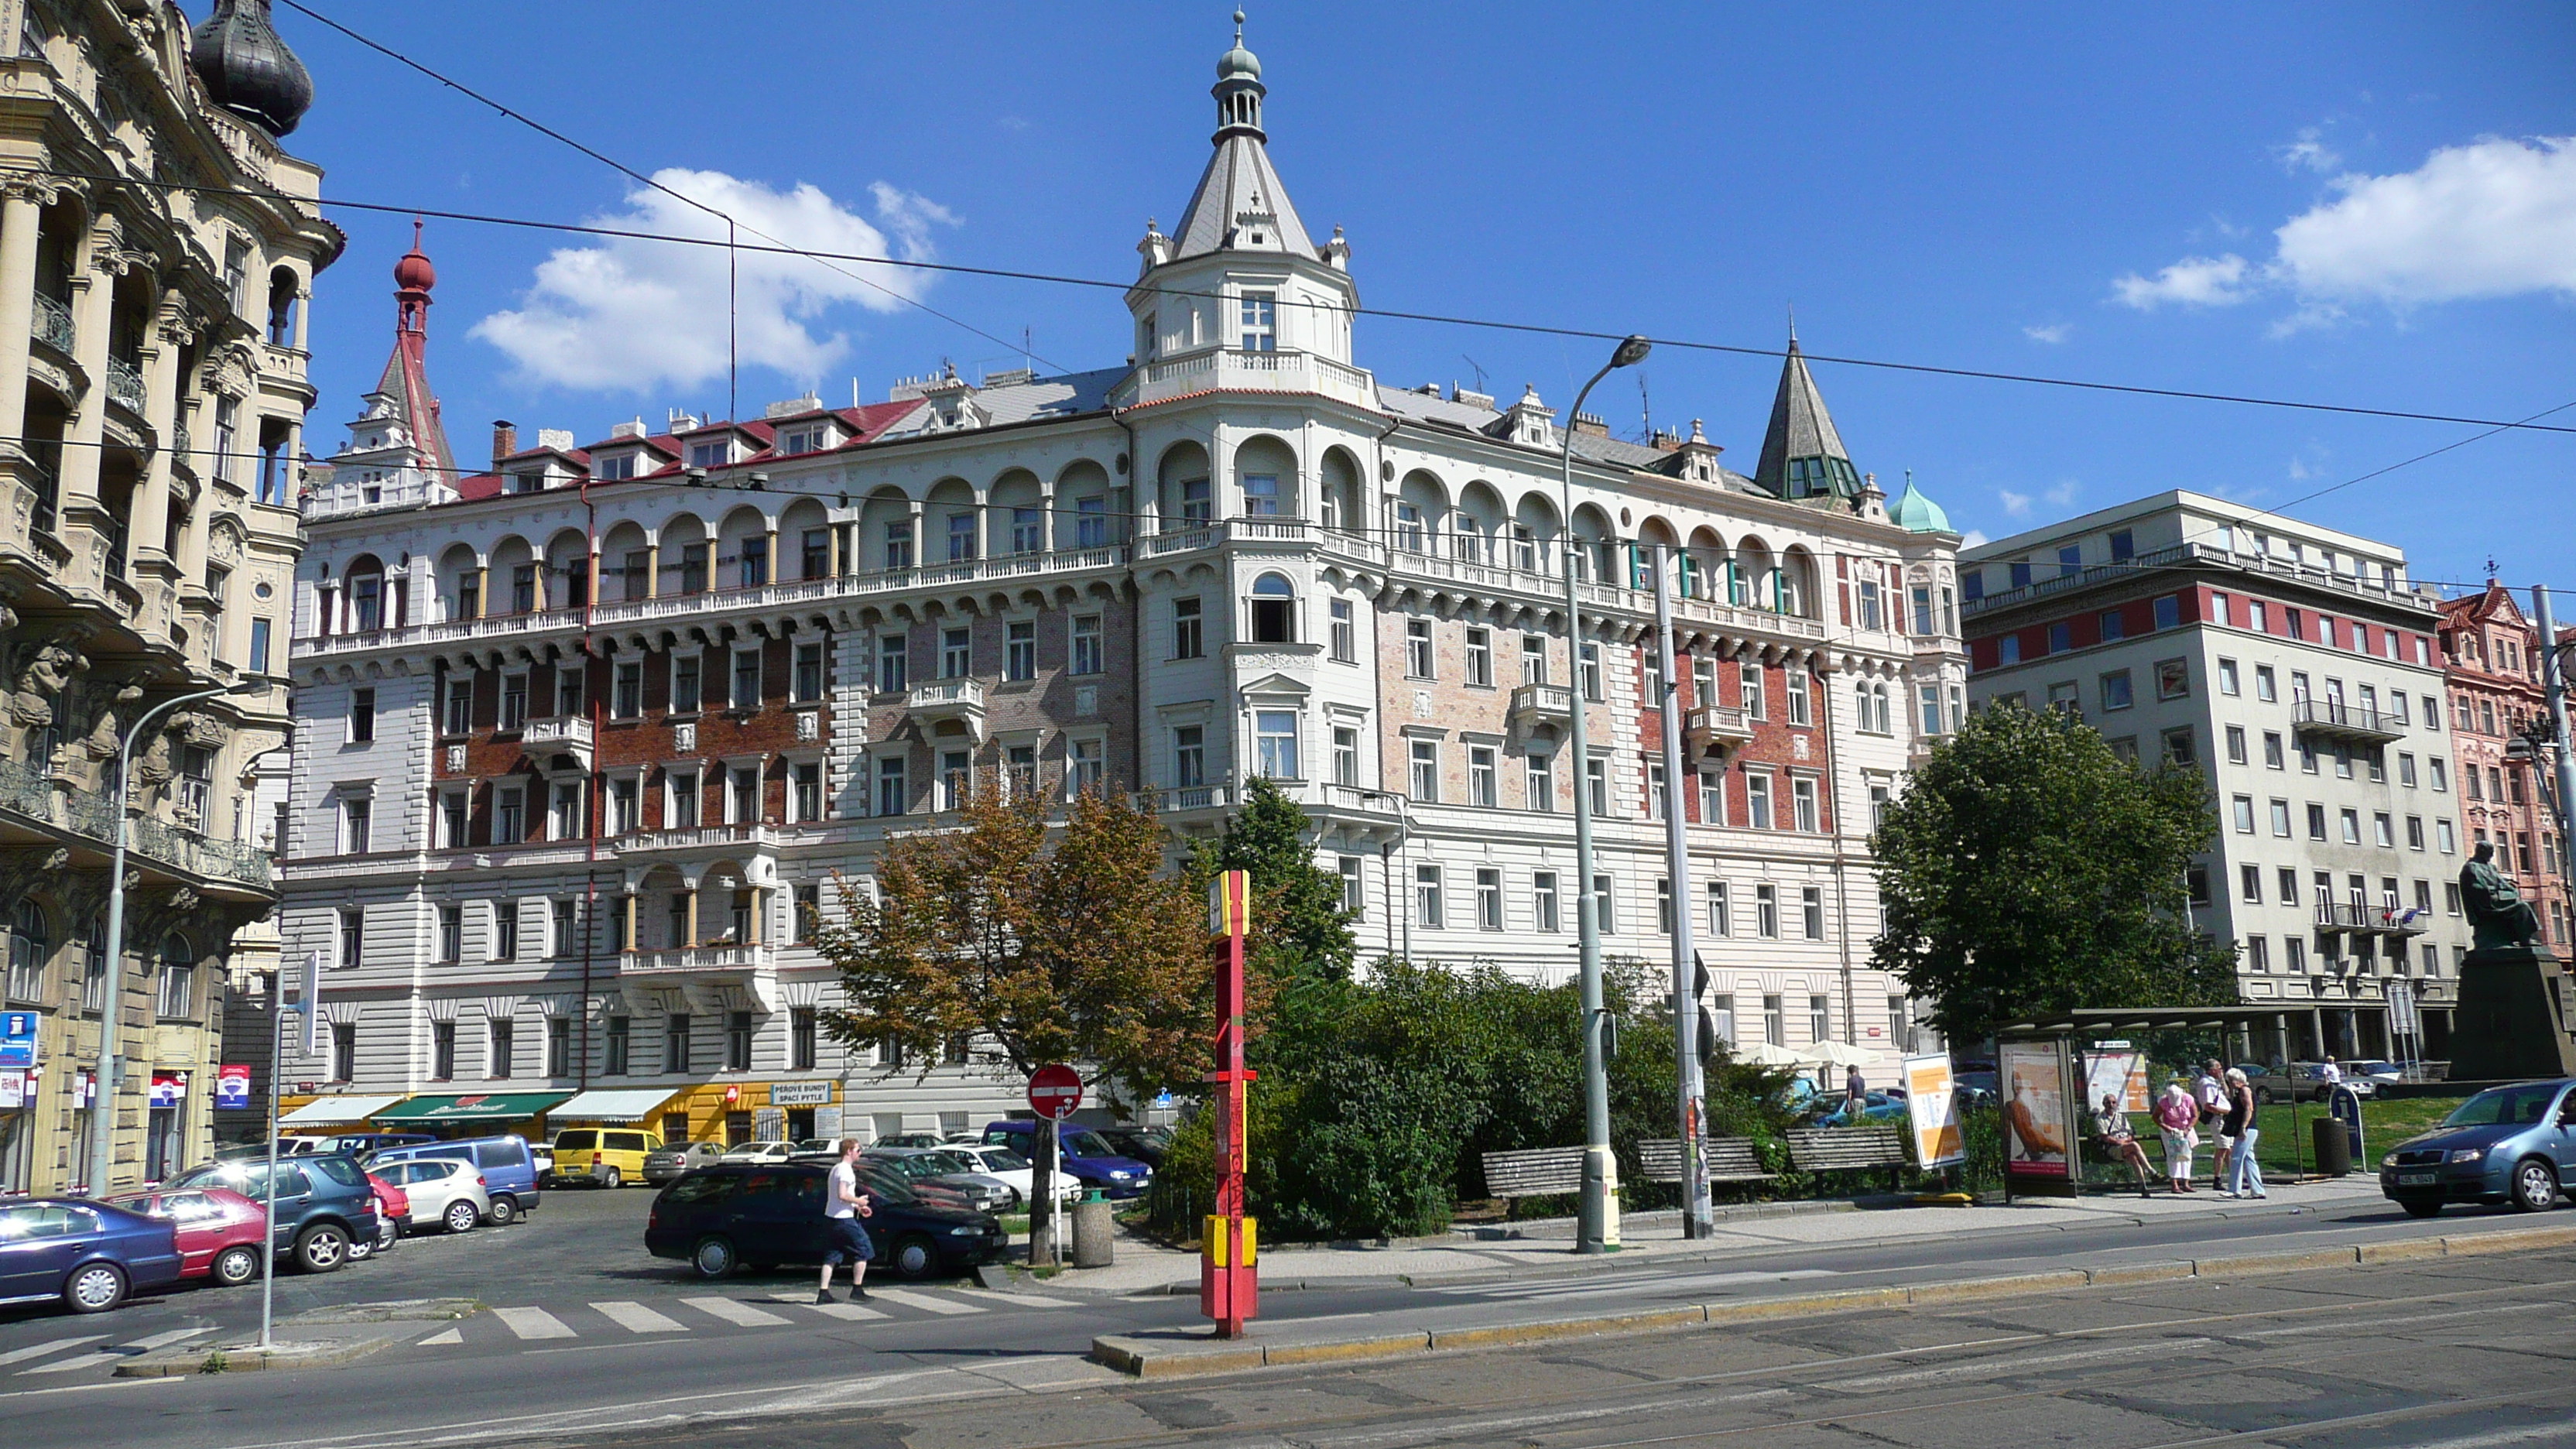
pixel 1730 1159
pixel 1534 1172
pixel 1847 1149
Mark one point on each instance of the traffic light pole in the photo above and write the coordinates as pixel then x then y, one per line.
pixel 1689 1093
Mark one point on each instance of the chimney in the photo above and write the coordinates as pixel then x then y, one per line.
pixel 505 440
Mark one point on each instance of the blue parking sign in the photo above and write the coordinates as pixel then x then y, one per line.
pixel 17 1039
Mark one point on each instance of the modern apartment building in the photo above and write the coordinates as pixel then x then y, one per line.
pixel 2491 652
pixel 586 739
pixel 157 248
pixel 2301 672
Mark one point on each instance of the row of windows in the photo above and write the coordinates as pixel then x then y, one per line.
pixel 2346 825
pixel 739 687
pixel 2354 901
pixel 1086 651
pixel 617 1046
pixel 31 944
pixel 1547 910
pixel 560 809
pixel 2294 957
pixel 2311 761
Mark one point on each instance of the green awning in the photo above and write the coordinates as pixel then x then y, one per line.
pixel 473 1107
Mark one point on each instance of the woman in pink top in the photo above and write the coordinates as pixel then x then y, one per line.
pixel 2178 1113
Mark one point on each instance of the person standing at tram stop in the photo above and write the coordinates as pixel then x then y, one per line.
pixel 2211 1092
pixel 2179 1115
pixel 844 1205
pixel 2244 1176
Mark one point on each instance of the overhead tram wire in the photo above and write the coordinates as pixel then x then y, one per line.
pixel 732 243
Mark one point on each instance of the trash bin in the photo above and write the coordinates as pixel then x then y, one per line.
pixel 1092 1228
pixel 2334 1147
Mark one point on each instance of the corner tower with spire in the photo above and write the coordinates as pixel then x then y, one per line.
pixel 398 453
pixel 1802 454
pixel 1241 271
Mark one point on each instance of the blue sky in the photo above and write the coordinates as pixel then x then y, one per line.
pixel 2356 204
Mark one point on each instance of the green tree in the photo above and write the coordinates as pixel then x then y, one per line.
pixel 2027 869
pixel 1064 942
pixel 1301 932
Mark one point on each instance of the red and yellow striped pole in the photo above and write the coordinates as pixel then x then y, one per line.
pixel 1229 1290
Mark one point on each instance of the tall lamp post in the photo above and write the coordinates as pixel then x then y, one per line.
pixel 1597 1221
pixel 111 1025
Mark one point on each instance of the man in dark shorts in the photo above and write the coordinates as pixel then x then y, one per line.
pixel 844 1205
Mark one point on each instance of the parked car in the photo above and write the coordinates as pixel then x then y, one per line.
pixel 1146 1144
pixel 763 1215
pixel 324 1204
pixel 1012 1170
pixel 541 1156
pixel 2512 1144
pixel 760 1152
pixel 813 1146
pixel 2373 1071
pixel 674 1160
pixel 913 1182
pixel 352 1142
pixel 507 1169
pixel 393 1212
pixel 444 1193
pixel 1086 1156
pixel 932 1167
pixel 603 1156
pixel 88 1254
pixel 912 1139
pixel 1877 1108
pixel 217 1230
pixel 2299 1082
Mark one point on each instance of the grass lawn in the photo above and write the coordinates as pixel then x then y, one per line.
pixel 2288 1143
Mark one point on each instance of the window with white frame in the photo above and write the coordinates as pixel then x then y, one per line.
pixel 1799 703
pixel 742 795
pixel 1346 756
pixel 509 815
pixel 1425 755
pixel 1188 640
pixel 1540 781
pixel 624 805
pixel 1189 756
pixel 357 818
pixel 680 808
pixel 1275 743
pixel 956 653
pixel 1766 912
pixel 1260 322
pixel 1085 655
pixel 1605 916
pixel 505 930
pixel 806 685
pixel 891 660
pixel 1346 649
pixel 1085 766
pixel 956 779
pixel 514 701
pixel 1489 898
pixel 1802 798
pixel 1020 650
pixel 687 681
pixel 1480 656
pixel 1020 771
pixel 1757 798
pixel 1712 797
pixel 1543 901
pixel 1418 656
pixel 1482 788
pixel 1354 893
pixel 1720 919
pixel 1426 897
pixel 894 794
pixel 805 798
pixel 1811 912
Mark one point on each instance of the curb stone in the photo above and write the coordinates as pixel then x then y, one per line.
pixel 1151 1358
pixel 245 1358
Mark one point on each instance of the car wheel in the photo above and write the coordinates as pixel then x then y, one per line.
pixel 388 1233
pixel 94 1288
pixel 713 1257
pixel 611 1179
pixel 360 1252
pixel 915 1258
pixel 2421 1209
pixel 236 1265
pixel 2535 1186
pixel 505 1211
pixel 322 1248
pixel 460 1216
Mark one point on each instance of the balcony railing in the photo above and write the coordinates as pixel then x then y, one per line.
pixel 697 837
pixel 1232 369
pixel 697 960
pixel 125 385
pixel 567 732
pixel 27 790
pixel 2334 719
pixel 53 324
pixel 1181 798
pixel 2389 919
pixel 2394 591
pixel 1715 728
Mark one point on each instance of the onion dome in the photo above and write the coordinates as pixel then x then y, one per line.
pixel 1238 62
pixel 247 69
pixel 1916 513
pixel 414 273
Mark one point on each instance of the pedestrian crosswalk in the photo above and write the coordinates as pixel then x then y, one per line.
pixel 534 1326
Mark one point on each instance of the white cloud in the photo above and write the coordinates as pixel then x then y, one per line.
pixel 2309 152
pixel 2063 494
pixel 2492 219
pixel 2191 282
pixel 2052 334
pixel 2016 505
pixel 2495 218
pixel 1974 538
pixel 630 315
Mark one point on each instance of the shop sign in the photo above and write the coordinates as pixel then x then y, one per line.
pixel 169 1089
pixel 17 1039
pixel 15 1088
pixel 800 1094
pixel 232 1087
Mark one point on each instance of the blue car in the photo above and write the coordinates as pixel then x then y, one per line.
pixel 1087 1159
pixel 2512 1144
pixel 85 1253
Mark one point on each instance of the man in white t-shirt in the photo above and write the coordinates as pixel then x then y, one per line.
pixel 844 1205
pixel 2333 1075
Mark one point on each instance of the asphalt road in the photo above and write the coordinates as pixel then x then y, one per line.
pixel 591 1341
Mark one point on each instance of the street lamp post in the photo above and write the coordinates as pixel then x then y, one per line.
pixel 1597 1220
pixel 111 1059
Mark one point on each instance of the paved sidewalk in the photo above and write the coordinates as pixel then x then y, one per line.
pixel 1542 1246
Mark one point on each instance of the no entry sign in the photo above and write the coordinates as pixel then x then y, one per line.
pixel 1054 1092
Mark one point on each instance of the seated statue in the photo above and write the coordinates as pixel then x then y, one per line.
pixel 2498 914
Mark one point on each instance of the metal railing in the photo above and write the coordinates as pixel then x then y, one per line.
pixel 53 324
pixel 2393 591
pixel 28 790
pixel 2336 715
pixel 125 385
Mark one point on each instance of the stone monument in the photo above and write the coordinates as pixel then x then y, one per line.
pixel 2515 999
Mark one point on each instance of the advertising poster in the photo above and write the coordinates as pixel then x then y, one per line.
pixel 169 1088
pixel 1931 1102
pixel 232 1087
pixel 2121 1074
pixel 2035 1136
pixel 13 1091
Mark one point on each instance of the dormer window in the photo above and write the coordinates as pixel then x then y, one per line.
pixel 710 455
pixel 527 482
pixel 1260 322
pixel 614 467
pixel 803 440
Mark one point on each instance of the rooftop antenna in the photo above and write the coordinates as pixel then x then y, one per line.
pixel 1480 370
pixel 1028 351
pixel 1646 406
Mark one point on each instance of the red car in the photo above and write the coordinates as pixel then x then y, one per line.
pixel 218 1229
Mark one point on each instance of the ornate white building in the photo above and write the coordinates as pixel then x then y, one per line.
pixel 582 736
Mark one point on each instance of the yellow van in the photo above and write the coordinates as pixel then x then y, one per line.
pixel 605 1156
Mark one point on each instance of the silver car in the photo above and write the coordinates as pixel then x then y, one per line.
pixel 442 1190
pixel 673 1161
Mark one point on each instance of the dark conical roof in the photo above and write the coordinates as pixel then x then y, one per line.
pixel 1802 455
pixel 247 69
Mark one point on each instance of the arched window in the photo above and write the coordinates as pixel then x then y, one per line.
pixel 282 289
pixel 1274 610
pixel 178 983
pixel 31 944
